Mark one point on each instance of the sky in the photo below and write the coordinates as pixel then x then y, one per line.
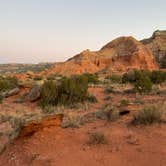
pixel 33 31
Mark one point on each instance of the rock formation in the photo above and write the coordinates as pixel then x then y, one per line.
pixel 120 55
pixel 157 44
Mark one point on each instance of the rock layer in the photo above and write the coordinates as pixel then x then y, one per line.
pixel 157 44
pixel 36 126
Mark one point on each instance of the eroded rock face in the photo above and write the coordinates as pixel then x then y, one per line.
pixel 127 53
pixel 36 126
pixel 122 54
pixel 12 127
pixel 157 44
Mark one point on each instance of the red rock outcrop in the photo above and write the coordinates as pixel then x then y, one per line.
pixel 36 126
pixel 157 44
pixel 122 54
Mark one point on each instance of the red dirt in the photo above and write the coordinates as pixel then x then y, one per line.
pixel 128 145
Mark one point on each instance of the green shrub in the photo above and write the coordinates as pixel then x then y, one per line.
pixel 125 78
pixel 149 115
pixel 91 78
pixel 49 94
pixel 158 77
pixel 8 83
pixel 115 78
pixel 124 102
pixel 97 138
pixel 38 78
pixel 73 90
pixel 1 99
pixel 128 77
pixel 109 89
pixel 67 92
pixel 91 98
pixel 163 62
pixel 143 83
pixel 51 77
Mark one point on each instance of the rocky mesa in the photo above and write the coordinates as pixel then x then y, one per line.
pixel 120 55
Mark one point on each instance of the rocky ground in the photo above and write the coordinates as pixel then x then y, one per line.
pixel 50 139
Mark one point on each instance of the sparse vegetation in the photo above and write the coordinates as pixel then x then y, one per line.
pixel 97 138
pixel 139 101
pixel 156 77
pixel 1 99
pixel 49 94
pixel 91 98
pixel 129 77
pixel 73 122
pixel 7 83
pixel 112 115
pixel 114 78
pixel 109 113
pixel 109 89
pixel 124 102
pixel 38 78
pixel 67 92
pixel 107 98
pixel 163 63
pixel 51 77
pixel 49 109
pixel 91 78
pixel 149 115
pixel 143 83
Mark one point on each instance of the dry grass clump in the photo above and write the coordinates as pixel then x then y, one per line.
pixel 109 89
pixel 124 102
pixel 150 115
pixel 72 121
pixel 110 112
pixel 8 83
pixel 91 98
pixel 96 138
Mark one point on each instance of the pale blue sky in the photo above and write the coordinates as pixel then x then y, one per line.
pixel 54 30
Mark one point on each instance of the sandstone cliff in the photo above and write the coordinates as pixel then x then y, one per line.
pixel 120 55
pixel 157 44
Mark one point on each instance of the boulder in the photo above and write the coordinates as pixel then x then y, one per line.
pixel 12 92
pixel 34 93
